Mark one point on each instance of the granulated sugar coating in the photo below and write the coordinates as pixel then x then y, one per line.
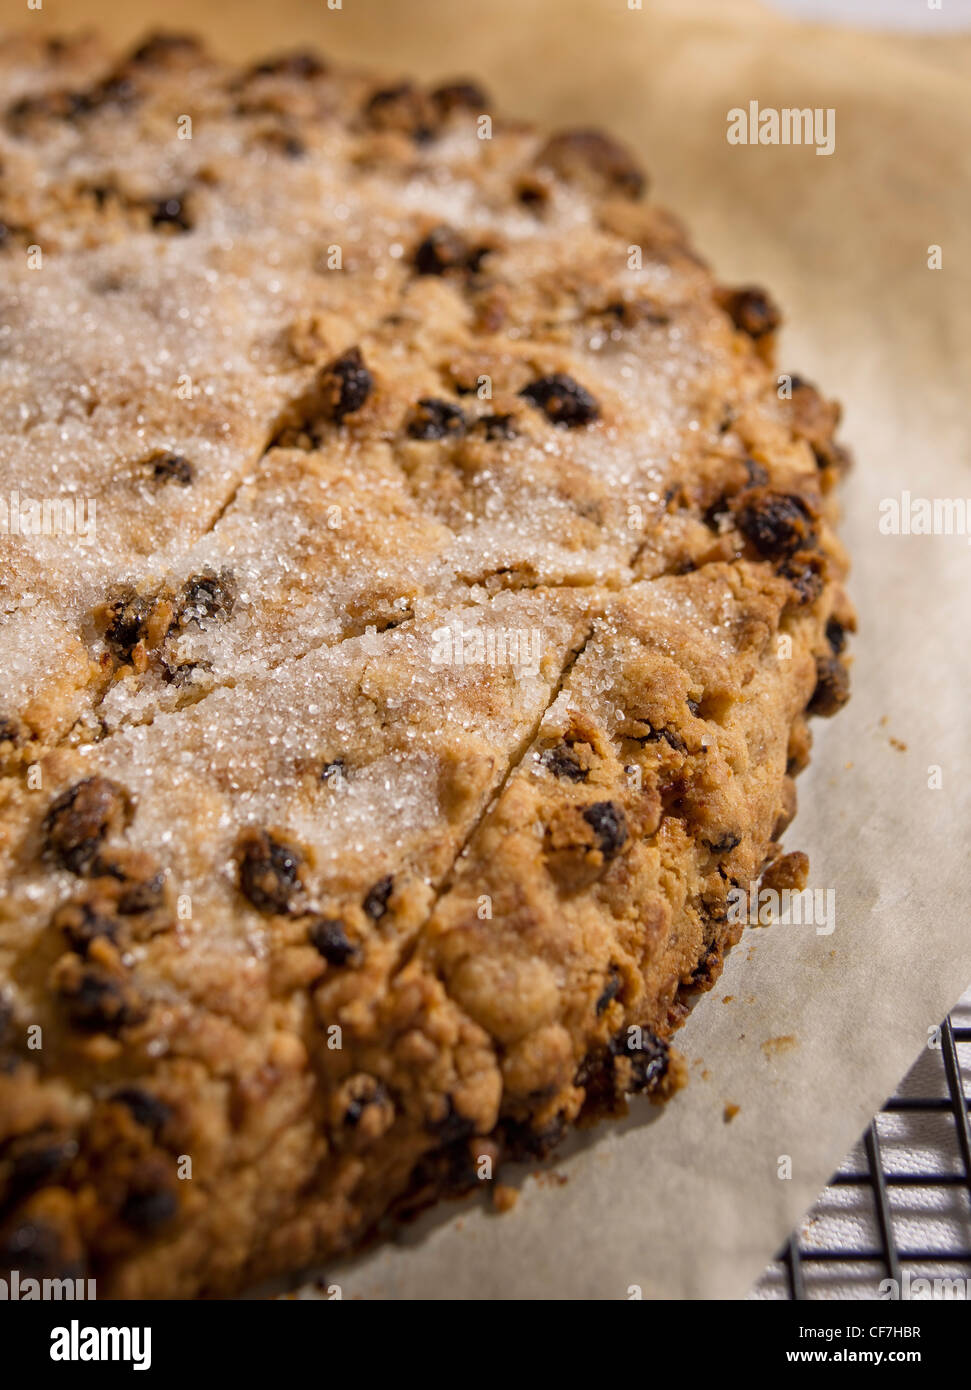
pixel 415 581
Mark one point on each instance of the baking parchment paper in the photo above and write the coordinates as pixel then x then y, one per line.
pixel 817 1028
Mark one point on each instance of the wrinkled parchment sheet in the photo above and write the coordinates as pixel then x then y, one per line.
pixel 805 1033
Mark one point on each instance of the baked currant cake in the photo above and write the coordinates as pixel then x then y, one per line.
pixel 416 580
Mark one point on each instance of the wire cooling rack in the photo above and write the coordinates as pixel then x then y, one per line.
pixel 899 1206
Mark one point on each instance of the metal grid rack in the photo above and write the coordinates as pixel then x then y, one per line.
pixel 899 1206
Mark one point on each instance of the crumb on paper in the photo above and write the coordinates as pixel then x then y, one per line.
pixel 730 1111
pixel 899 744
pixel 552 1179
pixel 504 1197
pixel 727 999
pixel 772 1047
pixel 790 872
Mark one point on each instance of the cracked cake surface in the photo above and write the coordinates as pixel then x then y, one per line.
pixel 457 580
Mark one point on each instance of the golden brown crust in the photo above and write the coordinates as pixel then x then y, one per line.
pixel 465 575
